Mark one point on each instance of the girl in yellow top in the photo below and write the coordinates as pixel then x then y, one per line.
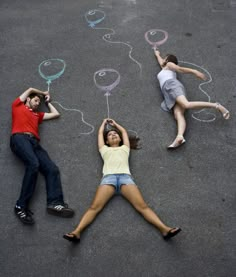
pixel 114 148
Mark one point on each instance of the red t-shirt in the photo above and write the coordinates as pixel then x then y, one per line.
pixel 24 119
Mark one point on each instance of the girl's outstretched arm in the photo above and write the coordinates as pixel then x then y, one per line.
pixel 101 141
pixel 186 70
pixel 159 58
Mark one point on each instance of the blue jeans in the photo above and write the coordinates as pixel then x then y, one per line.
pixel 36 159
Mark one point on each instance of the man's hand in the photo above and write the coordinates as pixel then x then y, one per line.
pixel 47 97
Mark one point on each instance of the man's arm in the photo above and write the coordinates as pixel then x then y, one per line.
pixel 53 112
pixel 26 94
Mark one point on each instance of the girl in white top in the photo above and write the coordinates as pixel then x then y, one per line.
pixel 174 95
pixel 114 148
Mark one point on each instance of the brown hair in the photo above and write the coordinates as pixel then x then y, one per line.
pixel 170 58
pixel 34 94
pixel 134 140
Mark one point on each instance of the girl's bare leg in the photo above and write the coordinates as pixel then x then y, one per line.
pixel 102 196
pixel 181 126
pixel 185 104
pixel 134 196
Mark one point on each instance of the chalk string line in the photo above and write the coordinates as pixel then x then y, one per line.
pixel 194 115
pixel 82 117
pixel 106 38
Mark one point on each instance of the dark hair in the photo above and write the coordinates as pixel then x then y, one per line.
pixel 170 58
pixel 134 142
pixel 133 139
pixel 32 95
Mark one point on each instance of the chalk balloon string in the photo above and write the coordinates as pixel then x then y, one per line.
pixel 82 117
pixel 98 16
pixel 106 38
pixel 108 108
pixel 194 115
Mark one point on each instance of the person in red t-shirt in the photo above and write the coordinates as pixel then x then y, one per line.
pixel 25 144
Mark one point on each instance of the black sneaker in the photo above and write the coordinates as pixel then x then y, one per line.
pixel 25 215
pixel 60 210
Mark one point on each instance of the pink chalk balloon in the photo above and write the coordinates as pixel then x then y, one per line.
pixel 154 42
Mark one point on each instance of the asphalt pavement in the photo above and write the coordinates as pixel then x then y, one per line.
pixel 96 58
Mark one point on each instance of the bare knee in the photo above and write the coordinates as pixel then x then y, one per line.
pixel 141 208
pixel 95 208
pixel 182 104
pixel 186 105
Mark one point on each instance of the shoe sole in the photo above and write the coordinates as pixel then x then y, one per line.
pixel 63 213
pixel 27 223
pixel 171 235
pixel 72 239
pixel 175 147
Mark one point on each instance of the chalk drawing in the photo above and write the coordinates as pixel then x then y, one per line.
pixel 52 69
pixel 195 114
pixel 93 17
pixel 82 117
pixel 153 37
pixel 106 80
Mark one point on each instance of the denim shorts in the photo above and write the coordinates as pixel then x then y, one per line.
pixel 117 180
